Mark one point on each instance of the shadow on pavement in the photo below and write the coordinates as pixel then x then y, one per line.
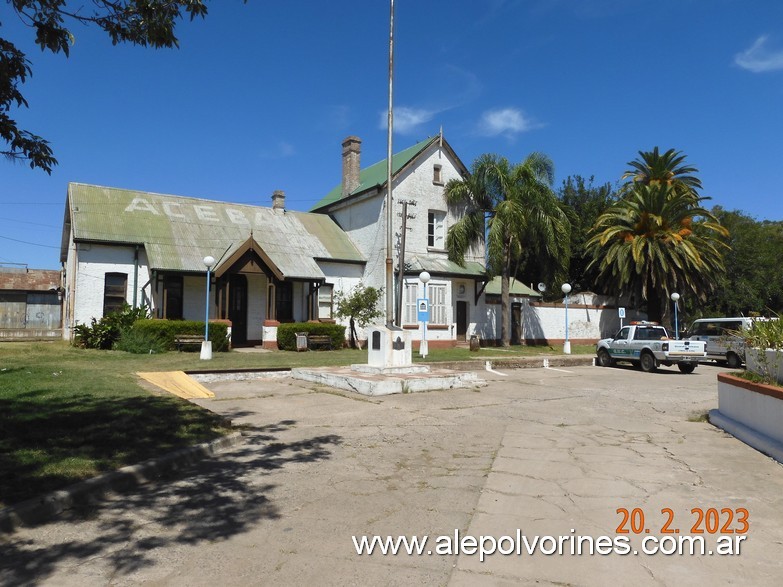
pixel 207 502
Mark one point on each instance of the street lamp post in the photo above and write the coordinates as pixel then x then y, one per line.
pixel 675 298
pixel 206 346
pixel 424 277
pixel 566 289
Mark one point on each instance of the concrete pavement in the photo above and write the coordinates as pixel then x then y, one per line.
pixel 546 451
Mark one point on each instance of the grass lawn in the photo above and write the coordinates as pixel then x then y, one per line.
pixel 67 414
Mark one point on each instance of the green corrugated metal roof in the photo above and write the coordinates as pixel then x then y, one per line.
pixel 442 266
pixel 375 175
pixel 178 232
pixel 516 288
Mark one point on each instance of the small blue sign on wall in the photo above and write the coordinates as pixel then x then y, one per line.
pixel 423 306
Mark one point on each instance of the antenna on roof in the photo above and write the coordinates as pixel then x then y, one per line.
pixel 440 138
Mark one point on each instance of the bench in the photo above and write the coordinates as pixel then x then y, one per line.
pixel 319 340
pixel 181 340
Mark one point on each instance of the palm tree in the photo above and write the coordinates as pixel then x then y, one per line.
pixel 514 208
pixel 652 168
pixel 656 240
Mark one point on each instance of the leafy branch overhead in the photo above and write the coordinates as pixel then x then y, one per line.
pixel 148 23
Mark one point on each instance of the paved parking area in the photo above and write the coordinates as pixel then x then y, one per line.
pixel 551 452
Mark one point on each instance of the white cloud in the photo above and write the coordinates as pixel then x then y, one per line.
pixel 759 58
pixel 407 120
pixel 505 121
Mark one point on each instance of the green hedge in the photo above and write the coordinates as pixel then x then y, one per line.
pixel 286 333
pixel 168 329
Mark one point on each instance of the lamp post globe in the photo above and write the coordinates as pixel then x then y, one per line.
pixel 675 298
pixel 424 277
pixel 206 345
pixel 566 289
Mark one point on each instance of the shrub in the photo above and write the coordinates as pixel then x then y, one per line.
pixel 764 334
pixel 141 342
pixel 104 333
pixel 167 330
pixel 286 333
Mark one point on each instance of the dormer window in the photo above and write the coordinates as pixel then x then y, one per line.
pixel 437 178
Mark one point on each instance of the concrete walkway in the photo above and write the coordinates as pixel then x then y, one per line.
pixel 552 452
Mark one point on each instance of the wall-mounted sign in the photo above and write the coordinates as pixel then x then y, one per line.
pixel 423 305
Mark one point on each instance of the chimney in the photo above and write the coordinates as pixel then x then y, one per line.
pixel 352 151
pixel 278 200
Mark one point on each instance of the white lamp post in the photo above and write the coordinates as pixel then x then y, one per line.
pixel 424 277
pixel 675 298
pixel 566 289
pixel 206 346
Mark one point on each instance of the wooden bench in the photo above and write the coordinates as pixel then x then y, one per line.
pixel 181 340
pixel 319 340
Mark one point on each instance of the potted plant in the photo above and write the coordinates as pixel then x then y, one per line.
pixel 750 405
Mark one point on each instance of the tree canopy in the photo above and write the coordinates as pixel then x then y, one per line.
pixel 658 238
pixel 514 208
pixel 139 22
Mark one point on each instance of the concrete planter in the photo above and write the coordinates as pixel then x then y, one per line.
pixel 766 363
pixel 752 412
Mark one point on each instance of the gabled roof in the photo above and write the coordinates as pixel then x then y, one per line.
pixel 515 288
pixel 178 232
pixel 375 175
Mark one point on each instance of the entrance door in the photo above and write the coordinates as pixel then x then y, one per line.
pixel 237 309
pixel 462 320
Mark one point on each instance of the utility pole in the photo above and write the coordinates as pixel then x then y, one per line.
pixel 401 271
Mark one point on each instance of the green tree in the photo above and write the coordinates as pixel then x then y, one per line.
pixel 513 209
pixel 583 202
pixel 139 22
pixel 652 168
pixel 656 240
pixel 360 306
pixel 753 281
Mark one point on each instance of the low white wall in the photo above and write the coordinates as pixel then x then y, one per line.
pixel 751 413
pixel 587 323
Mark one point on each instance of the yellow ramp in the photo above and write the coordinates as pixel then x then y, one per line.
pixel 178 383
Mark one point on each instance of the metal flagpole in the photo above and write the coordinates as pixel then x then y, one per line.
pixel 389 215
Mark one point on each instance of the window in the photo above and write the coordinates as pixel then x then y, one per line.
pixel 284 303
pixel 623 334
pixel 438 310
pixel 409 314
pixel 325 301
pixel 172 297
pixel 436 229
pixel 437 178
pixel 115 290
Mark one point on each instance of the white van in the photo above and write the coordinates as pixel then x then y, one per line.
pixel 722 345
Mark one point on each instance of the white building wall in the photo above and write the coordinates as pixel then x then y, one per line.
pixel 91 263
pixel 194 289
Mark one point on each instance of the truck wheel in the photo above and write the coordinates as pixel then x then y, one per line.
pixel 647 362
pixel 733 361
pixel 686 367
pixel 605 359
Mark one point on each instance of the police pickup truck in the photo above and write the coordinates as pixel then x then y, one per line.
pixel 647 345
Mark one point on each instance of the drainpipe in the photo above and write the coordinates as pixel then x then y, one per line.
pixel 135 276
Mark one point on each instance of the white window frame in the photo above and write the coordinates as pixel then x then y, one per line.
pixel 325 301
pixel 409 311
pixel 436 229
pixel 439 310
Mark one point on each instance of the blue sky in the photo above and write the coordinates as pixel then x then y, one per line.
pixel 260 96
